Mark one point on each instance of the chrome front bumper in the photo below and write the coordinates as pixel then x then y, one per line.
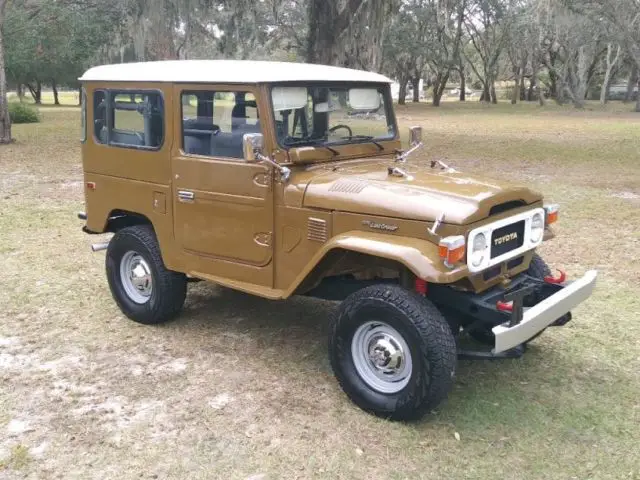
pixel 540 316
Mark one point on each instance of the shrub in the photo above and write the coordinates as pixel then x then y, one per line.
pixel 23 113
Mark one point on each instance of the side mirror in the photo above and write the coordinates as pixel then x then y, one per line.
pixel 252 144
pixel 415 136
pixel 415 139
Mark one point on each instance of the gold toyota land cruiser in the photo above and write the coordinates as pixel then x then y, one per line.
pixel 281 179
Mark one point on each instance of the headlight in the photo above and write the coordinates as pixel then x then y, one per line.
pixel 537 228
pixel 478 249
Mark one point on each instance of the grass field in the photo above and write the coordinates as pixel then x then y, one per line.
pixel 240 387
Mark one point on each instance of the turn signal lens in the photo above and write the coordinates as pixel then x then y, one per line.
pixel 452 249
pixel 551 212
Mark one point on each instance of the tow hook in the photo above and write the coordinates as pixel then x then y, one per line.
pixel 559 280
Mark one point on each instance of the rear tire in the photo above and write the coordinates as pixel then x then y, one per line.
pixel 392 352
pixel 539 269
pixel 141 285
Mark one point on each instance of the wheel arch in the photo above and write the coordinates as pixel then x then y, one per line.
pixel 119 219
pixel 416 257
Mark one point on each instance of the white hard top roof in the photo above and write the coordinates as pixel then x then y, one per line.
pixel 226 71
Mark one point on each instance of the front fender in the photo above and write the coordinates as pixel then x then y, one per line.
pixel 419 256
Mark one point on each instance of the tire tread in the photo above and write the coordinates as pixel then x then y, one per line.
pixel 437 345
pixel 171 286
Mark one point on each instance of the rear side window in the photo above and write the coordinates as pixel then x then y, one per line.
pixel 100 116
pixel 214 122
pixel 130 119
pixel 83 116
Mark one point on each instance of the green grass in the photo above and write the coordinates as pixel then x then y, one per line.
pixel 107 395
pixel 65 98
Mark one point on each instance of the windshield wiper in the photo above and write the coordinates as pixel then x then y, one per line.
pixel 369 138
pixel 312 143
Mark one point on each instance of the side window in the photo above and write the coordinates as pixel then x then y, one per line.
pixel 100 116
pixel 138 119
pixel 83 116
pixel 132 119
pixel 214 123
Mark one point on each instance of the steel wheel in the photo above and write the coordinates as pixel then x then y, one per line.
pixel 136 277
pixel 381 357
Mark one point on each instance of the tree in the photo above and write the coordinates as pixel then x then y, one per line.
pixel 611 61
pixel 405 46
pixel 348 34
pixel 488 26
pixel 5 121
pixel 447 19
pixel 623 18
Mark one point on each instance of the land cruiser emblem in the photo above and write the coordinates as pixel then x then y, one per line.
pixel 505 238
pixel 380 226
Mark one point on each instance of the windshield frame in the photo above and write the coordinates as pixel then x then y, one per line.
pixel 388 110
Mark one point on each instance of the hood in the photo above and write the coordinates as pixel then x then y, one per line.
pixel 424 194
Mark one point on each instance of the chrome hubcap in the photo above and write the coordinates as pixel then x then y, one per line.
pixel 136 278
pixel 381 357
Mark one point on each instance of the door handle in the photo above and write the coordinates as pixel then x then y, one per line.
pixel 186 195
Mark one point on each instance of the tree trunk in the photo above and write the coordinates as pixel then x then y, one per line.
pixel 486 93
pixel 553 85
pixel 415 85
pixel 463 85
pixel 402 92
pixel 631 84
pixel 347 33
pixel 516 87
pixel 531 89
pixel 56 100
pixel 638 99
pixel 20 92
pixel 36 92
pixel 438 88
pixel 5 121
pixel 532 86
pixel 494 98
pixel 80 96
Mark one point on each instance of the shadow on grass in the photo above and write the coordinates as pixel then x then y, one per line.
pixel 549 392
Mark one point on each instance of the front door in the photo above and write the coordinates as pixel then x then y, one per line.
pixel 223 206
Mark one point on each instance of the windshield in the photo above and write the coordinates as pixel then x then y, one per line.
pixel 321 114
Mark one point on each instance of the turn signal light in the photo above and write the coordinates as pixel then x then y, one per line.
pixel 452 250
pixel 551 213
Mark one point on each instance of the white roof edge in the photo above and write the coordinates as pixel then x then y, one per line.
pixel 226 71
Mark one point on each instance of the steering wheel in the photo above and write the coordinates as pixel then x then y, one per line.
pixel 346 127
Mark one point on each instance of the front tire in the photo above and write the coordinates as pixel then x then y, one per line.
pixel 392 352
pixel 141 285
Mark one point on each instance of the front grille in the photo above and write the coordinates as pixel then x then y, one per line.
pixel 507 238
